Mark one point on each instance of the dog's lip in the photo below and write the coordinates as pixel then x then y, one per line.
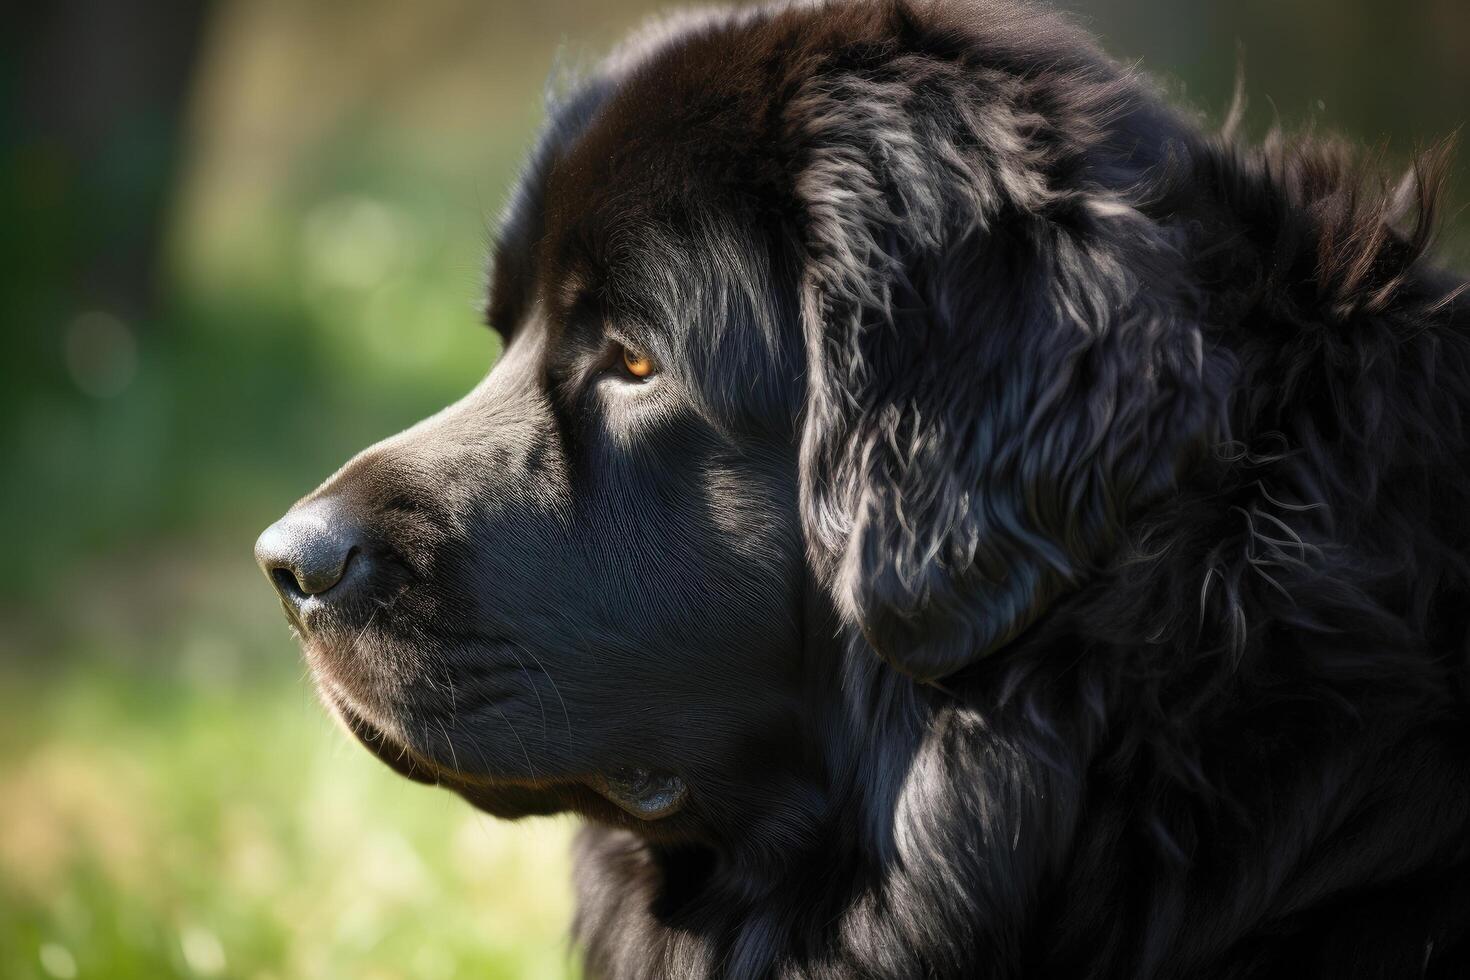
pixel 357 677
pixel 293 620
pixel 408 760
pixel 646 809
pixel 395 753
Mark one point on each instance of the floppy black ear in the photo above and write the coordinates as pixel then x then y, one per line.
pixel 1001 369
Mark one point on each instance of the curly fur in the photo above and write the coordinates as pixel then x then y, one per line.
pixel 1172 428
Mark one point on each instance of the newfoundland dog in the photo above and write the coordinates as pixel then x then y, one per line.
pixel 939 513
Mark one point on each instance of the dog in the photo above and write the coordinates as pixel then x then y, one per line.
pixel 940 512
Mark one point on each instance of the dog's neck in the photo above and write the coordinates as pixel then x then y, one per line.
pixel 950 838
pixel 941 813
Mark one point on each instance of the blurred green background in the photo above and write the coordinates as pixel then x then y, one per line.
pixel 242 240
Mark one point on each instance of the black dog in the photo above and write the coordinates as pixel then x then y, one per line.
pixel 938 514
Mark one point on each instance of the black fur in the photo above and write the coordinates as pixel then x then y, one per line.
pixel 1042 552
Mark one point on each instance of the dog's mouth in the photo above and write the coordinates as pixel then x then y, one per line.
pixel 396 754
pixel 645 793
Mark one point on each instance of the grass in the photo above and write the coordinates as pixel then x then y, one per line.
pixel 174 803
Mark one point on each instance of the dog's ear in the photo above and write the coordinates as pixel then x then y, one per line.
pixel 1001 370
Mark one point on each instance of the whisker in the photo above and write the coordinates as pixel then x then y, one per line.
pixel 534 690
pixel 503 717
pixel 566 715
pixel 453 756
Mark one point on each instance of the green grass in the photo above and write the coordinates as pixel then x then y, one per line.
pixel 173 802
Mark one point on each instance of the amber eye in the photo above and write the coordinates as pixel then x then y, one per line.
pixel 637 363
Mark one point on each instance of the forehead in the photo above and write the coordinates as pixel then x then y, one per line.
pixel 664 184
pixel 682 138
pixel 675 162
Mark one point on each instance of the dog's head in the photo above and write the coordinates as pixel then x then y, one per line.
pixel 830 332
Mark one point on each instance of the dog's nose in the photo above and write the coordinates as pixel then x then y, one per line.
pixel 307 552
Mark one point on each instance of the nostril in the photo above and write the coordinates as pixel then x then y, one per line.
pixel 307 553
pixel 286 583
pixel 320 571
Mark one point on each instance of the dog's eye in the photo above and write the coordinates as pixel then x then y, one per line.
pixel 637 363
